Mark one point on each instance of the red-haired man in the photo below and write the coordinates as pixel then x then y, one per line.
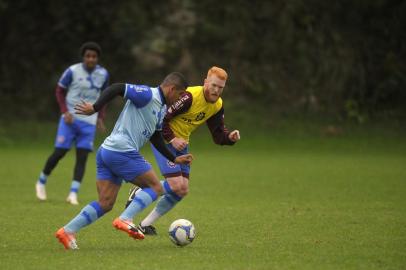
pixel 199 105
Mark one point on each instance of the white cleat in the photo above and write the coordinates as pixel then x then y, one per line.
pixel 72 198
pixel 41 192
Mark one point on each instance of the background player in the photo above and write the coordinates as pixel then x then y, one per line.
pixel 82 81
pixel 198 105
pixel 118 158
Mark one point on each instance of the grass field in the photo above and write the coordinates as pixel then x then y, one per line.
pixel 274 201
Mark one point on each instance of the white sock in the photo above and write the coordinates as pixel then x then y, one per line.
pixel 151 218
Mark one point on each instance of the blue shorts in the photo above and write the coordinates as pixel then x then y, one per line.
pixel 79 131
pixel 168 168
pixel 118 166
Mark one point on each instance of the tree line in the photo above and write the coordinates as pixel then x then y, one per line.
pixel 344 58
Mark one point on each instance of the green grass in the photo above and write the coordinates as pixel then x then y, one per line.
pixel 274 201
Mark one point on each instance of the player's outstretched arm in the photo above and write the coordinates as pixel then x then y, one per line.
pixel 106 96
pixel 219 132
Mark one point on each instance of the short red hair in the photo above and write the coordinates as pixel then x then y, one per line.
pixel 219 72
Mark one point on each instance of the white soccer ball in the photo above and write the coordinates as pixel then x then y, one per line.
pixel 182 232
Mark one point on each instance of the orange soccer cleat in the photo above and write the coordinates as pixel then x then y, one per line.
pixel 67 239
pixel 128 227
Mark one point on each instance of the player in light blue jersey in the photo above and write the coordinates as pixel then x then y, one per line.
pixel 118 158
pixel 82 81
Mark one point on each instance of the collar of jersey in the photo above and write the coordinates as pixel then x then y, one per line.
pixel 89 72
pixel 161 93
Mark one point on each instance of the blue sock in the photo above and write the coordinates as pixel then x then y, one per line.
pixel 168 200
pixel 141 200
pixel 167 190
pixel 89 214
pixel 75 186
pixel 166 203
pixel 43 178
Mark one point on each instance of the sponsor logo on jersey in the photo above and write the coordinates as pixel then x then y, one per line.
pixel 189 121
pixel 200 116
pixel 146 133
pixel 179 103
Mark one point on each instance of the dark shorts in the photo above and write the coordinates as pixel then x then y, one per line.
pixel 169 168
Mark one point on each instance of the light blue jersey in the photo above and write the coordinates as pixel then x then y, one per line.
pixel 142 115
pixel 82 85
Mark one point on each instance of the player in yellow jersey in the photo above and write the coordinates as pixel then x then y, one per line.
pixel 199 105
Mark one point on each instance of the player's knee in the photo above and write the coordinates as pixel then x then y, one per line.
pixel 106 205
pixel 59 153
pixel 157 187
pixel 183 191
pixel 180 189
pixel 176 187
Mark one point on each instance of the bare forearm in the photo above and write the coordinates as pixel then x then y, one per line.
pixel 60 94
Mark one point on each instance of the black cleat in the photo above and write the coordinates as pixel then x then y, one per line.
pixel 147 230
pixel 131 195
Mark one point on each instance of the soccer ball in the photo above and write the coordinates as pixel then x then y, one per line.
pixel 182 232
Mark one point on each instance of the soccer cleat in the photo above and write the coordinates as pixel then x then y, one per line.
pixel 147 230
pixel 131 195
pixel 41 191
pixel 72 198
pixel 129 228
pixel 68 240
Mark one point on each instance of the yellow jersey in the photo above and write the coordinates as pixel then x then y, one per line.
pixel 199 111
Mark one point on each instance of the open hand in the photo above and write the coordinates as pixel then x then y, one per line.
pixel 68 118
pixel 184 159
pixel 85 108
pixel 179 143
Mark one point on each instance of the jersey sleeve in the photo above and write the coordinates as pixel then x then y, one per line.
pixel 66 78
pixel 182 105
pixel 139 95
pixel 60 94
pixel 218 130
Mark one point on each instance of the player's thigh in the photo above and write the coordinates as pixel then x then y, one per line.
pixel 125 166
pixel 149 179
pixel 166 167
pixel 108 192
pixel 85 134
pixel 176 183
pixel 65 135
pixel 103 170
pixel 185 168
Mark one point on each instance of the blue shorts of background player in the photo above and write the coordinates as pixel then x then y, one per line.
pixel 79 131
pixel 168 168
pixel 117 166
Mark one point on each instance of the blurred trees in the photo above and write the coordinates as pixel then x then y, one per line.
pixel 337 57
